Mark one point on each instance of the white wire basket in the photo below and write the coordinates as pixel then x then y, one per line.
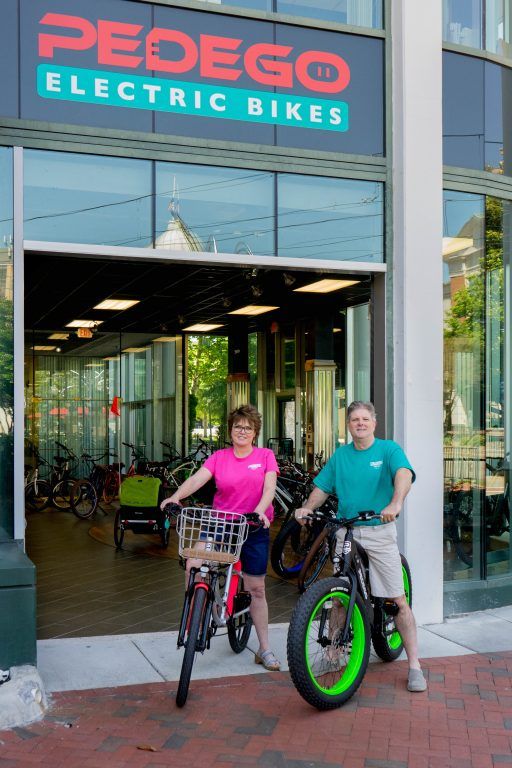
pixel 211 535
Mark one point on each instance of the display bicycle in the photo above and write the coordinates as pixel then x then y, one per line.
pixel 334 621
pixel 215 595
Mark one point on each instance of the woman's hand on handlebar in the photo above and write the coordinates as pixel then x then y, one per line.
pixel 262 518
pixel 171 500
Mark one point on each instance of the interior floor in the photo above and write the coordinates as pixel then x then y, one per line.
pixel 86 587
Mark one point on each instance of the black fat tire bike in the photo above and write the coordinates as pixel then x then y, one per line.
pixel 335 621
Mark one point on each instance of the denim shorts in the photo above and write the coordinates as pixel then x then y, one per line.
pixel 255 552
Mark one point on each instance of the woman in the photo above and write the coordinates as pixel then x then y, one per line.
pixel 245 478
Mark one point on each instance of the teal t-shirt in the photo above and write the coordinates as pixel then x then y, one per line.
pixel 363 480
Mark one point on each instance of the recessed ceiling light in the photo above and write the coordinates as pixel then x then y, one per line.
pixel 203 327
pixel 43 348
pixel 112 357
pixel 166 338
pixel 117 304
pixel 325 286
pixel 252 309
pixel 63 336
pixel 135 349
pixel 83 323
pixel 336 330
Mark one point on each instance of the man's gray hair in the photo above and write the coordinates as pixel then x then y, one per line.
pixel 356 404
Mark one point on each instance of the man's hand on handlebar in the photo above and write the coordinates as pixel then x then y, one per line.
pixel 390 513
pixel 302 515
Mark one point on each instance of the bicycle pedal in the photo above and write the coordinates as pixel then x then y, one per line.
pixel 390 607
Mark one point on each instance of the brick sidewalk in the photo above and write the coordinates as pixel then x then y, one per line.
pixel 463 721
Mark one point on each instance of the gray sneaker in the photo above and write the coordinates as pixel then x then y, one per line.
pixel 416 682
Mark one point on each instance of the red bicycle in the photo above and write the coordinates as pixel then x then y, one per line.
pixel 215 595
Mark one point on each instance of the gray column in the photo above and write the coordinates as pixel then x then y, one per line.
pixel 417 288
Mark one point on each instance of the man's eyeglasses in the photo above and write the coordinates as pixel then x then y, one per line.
pixel 243 429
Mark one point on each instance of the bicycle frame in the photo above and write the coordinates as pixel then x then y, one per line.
pixel 350 566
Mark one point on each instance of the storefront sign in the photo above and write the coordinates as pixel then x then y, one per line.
pixel 159 69
pixel 219 58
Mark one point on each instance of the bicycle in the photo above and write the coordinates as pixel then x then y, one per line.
pixel 38 492
pixel 333 622
pixel 61 479
pixel 215 595
pixel 86 492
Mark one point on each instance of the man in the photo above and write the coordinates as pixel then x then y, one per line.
pixel 375 474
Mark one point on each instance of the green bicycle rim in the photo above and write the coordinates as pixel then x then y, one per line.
pixel 358 647
pixel 395 639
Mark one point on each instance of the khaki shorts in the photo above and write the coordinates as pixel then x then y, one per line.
pixel 380 542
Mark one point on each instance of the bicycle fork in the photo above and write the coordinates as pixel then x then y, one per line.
pixel 203 639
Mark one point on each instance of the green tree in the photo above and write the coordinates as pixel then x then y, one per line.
pixel 207 374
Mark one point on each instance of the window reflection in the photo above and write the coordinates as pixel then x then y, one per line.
pixel 330 218
pixel 6 345
pixel 77 198
pixel 359 13
pixel 497 26
pixel 464 450
pixel 222 210
pixel 462 23
pixel 255 5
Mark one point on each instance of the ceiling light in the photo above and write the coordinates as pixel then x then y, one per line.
pixel 43 348
pixel 135 349
pixel 117 304
pixel 326 286
pixel 112 357
pixel 252 309
pixel 336 330
pixel 63 336
pixel 166 338
pixel 203 327
pixel 83 323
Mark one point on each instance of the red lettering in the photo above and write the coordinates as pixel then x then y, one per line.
pixel 48 43
pixel 322 57
pixel 153 60
pixel 108 43
pixel 276 72
pixel 212 54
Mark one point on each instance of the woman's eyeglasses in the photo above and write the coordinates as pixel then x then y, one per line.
pixel 243 429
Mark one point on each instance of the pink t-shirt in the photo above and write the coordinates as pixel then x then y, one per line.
pixel 240 481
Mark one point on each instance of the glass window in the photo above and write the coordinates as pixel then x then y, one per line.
pixel 497 27
pixel 463 111
pixel 6 346
pixel 358 13
pixel 464 333
pixel 77 198
pixel 254 5
pixel 462 22
pixel 201 208
pixel 321 218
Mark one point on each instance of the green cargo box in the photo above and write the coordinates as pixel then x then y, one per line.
pixel 139 491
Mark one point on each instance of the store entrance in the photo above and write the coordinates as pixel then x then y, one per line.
pixel 144 359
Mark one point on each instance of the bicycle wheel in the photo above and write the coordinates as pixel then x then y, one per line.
pixel 195 620
pixel 37 495
pixel 239 627
pixel 61 493
pixel 111 486
pixel 386 639
pixel 326 672
pixel 315 560
pixel 290 548
pixel 118 530
pixel 83 499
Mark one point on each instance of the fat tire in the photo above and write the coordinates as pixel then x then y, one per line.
pixel 390 647
pixel 118 530
pixel 83 499
pixel 298 656
pixel 196 618
pixel 239 629
pixel 315 560
pixel 290 548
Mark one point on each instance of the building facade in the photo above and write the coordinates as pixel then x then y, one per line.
pixel 368 139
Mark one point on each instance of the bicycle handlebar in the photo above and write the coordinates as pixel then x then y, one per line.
pixel 344 522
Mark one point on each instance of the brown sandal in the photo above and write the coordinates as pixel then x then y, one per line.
pixel 268 660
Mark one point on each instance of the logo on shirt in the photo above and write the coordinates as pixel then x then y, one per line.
pixel 256 466
pixel 376 464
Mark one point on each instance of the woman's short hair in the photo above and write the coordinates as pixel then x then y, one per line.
pixel 356 404
pixel 248 413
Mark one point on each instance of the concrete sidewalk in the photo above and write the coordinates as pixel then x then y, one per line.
pixel 118 660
